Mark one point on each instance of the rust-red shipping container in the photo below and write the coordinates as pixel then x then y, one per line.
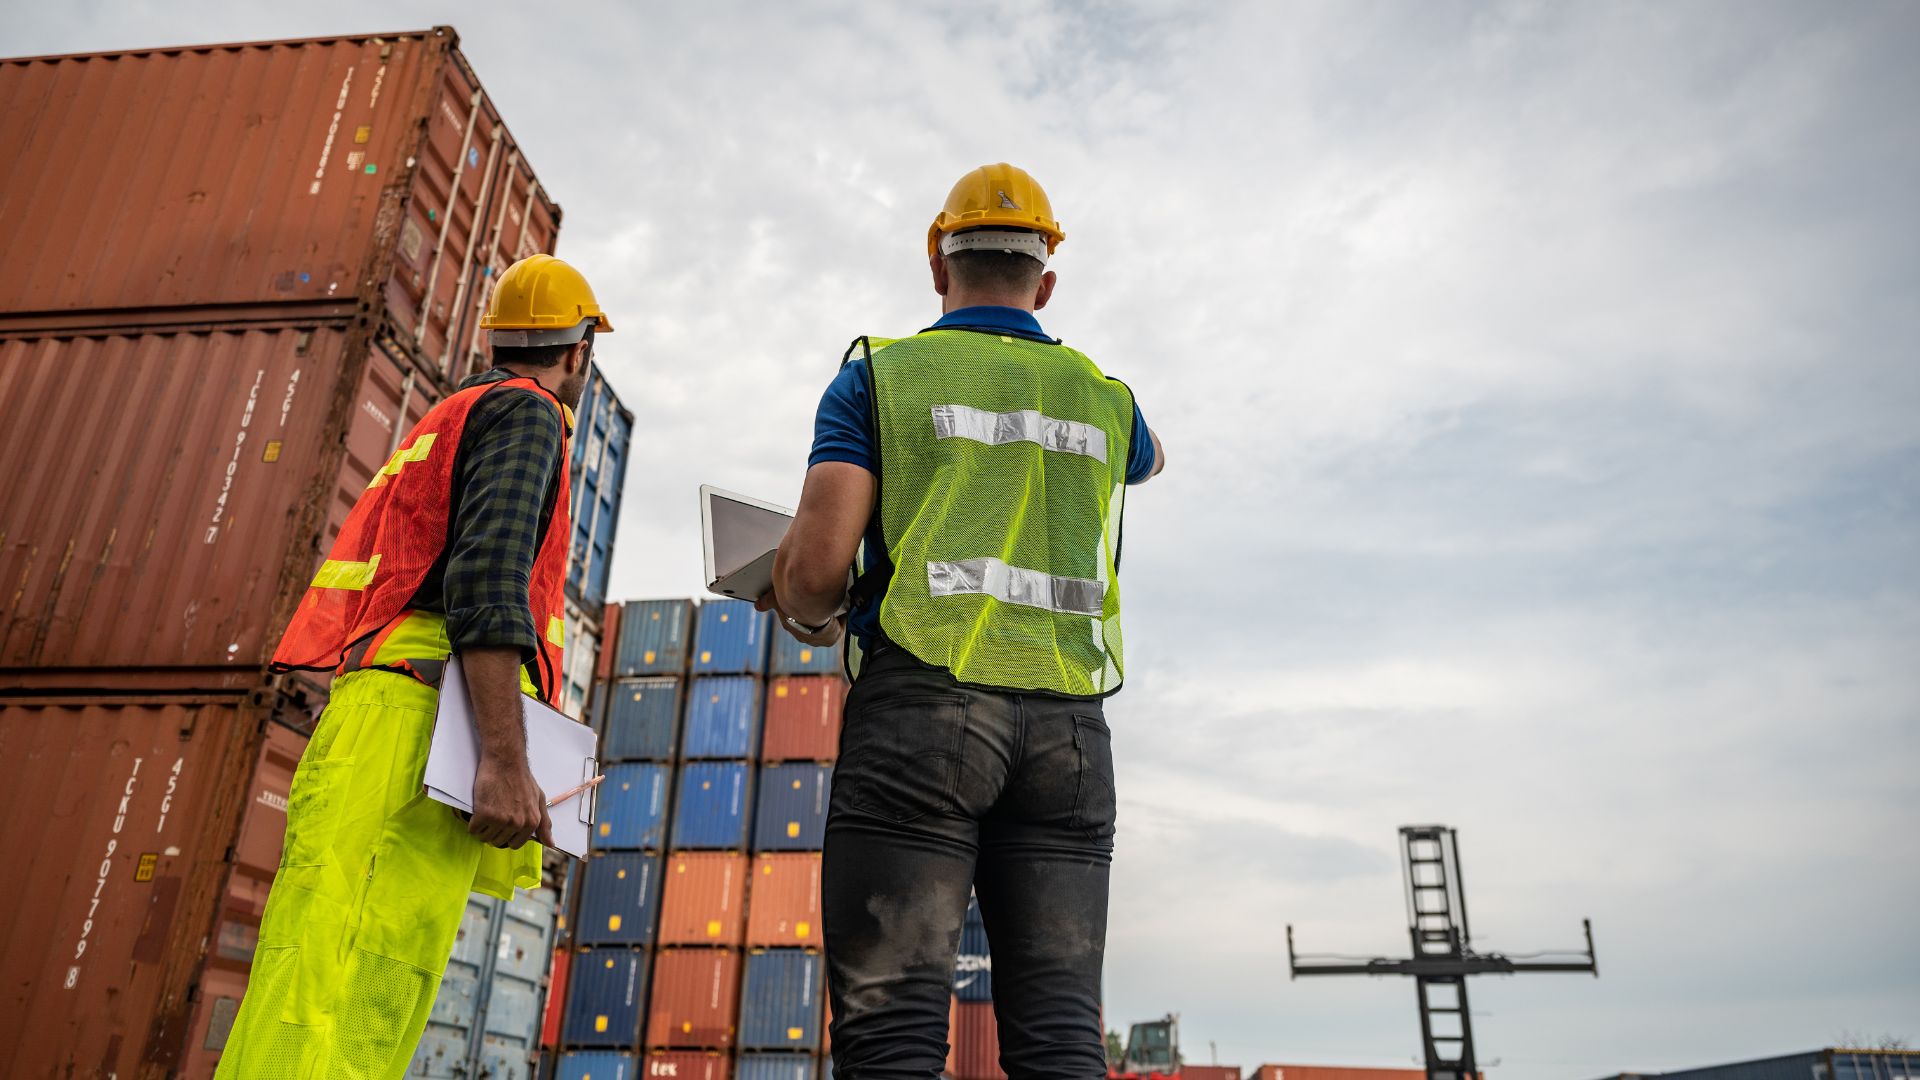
pixel 704 899
pixel 120 813
pixel 687 1065
pixel 218 336
pixel 556 990
pixel 696 999
pixel 1209 1072
pixel 202 182
pixel 783 901
pixel 803 718
pixel 973 1042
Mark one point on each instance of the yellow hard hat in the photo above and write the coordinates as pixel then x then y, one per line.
pixel 542 301
pixel 996 195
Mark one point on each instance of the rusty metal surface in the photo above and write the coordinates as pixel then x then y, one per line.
pixel 236 931
pixel 161 525
pixel 119 814
pixel 215 177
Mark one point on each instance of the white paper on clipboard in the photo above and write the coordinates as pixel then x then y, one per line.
pixel 562 752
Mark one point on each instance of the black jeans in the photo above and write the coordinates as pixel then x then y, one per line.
pixel 938 788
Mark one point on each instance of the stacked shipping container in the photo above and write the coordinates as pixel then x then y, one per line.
pixel 253 267
pixel 733 933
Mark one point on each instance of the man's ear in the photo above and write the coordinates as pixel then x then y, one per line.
pixel 1045 292
pixel 942 281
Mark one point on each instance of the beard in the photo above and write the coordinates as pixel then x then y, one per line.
pixel 573 388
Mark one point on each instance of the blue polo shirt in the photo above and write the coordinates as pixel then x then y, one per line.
pixel 843 431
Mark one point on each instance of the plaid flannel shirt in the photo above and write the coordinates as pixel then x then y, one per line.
pixel 505 482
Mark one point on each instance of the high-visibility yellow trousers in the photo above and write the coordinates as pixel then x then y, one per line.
pixel 372 884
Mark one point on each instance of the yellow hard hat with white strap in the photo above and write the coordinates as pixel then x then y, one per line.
pixel 999 208
pixel 541 300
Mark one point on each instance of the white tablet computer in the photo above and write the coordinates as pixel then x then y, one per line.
pixel 741 535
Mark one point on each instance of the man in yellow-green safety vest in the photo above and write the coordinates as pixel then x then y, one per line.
pixel 973 474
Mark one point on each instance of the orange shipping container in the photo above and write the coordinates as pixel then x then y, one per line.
pixel 696 999
pixel 704 901
pixel 224 311
pixel 974 1042
pixel 120 814
pixel 803 718
pixel 1209 1072
pixel 686 1065
pixel 327 175
pixel 783 902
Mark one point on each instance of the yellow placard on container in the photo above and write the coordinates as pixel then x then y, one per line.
pixel 793 829
pixel 613 922
pixel 706 657
pixel 780 691
pixel 650 651
pixel 800 929
pixel 806 656
pixel 599 1023
pixel 713 928
pixel 606 828
pixel 795 1033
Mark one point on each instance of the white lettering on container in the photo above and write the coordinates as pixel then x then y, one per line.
pixel 333 129
pixel 106 869
pixel 166 801
pixel 233 463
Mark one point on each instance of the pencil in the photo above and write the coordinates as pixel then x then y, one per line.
pixel 571 792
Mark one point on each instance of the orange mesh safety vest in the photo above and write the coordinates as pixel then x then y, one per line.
pixel 394 535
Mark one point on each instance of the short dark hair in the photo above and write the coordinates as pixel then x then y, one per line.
pixel 535 356
pixel 996 271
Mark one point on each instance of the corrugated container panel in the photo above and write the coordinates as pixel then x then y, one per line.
pixel 705 900
pixel 766 1066
pixel 120 814
pixel 723 717
pixel 642 719
pixel 732 639
pixel 602 431
pixel 712 807
pixel 256 858
pixel 687 1064
pixel 444 1047
pixel 609 642
pixel 792 657
pixel 803 718
pixel 696 999
pixel 792 814
pixel 582 654
pixel 783 900
pixel 597 1065
pixel 1873 1064
pixel 619 899
pixel 170 542
pixel 973 966
pixel 780 1005
pixel 654 635
pixel 558 979
pixel 632 807
pixel 604 997
pixel 510 1033
pixel 319 174
pixel 1209 1072
pixel 975 1043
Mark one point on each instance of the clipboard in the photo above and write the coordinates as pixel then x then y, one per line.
pixel 561 751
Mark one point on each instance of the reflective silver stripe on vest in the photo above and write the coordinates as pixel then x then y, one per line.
pixel 1013 585
pixel 1026 425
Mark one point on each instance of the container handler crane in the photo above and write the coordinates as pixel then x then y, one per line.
pixel 1153 1051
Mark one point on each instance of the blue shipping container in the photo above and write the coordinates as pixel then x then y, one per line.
pixel 780 1005
pixel 598 1065
pixel 732 639
pixel 632 809
pixel 642 719
pixel 790 657
pixel 973 967
pixel 619 899
pixel 604 998
pixel 776 1067
pixel 653 637
pixel 723 717
pixel 712 811
pixel 792 815
pixel 602 431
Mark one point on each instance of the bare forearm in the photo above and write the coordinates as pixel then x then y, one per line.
pixel 493 681
pixel 811 594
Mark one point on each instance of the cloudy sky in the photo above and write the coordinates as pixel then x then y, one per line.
pixel 1540 389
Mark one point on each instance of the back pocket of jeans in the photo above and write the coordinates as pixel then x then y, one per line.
pixel 1094 808
pixel 900 757
pixel 313 811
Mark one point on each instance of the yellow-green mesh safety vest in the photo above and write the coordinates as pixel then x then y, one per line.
pixel 1003 467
